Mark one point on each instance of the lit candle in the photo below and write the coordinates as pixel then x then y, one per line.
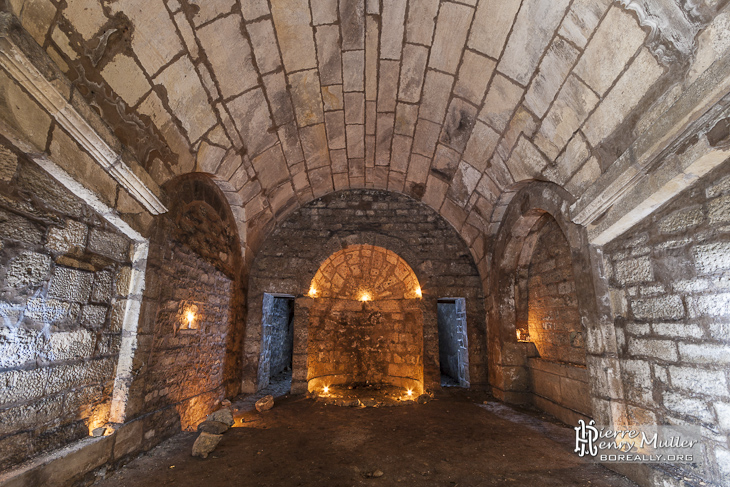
pixel 365 297
pixel 190 317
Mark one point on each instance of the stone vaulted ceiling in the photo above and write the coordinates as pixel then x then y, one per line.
pixel 450 102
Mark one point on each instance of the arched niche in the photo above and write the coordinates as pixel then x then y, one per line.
pixel 365 321
pixel 537 214
pixel 190 333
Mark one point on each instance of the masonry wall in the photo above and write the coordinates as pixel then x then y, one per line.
pixel 185 372
pixel 63 271
pixel 290 257
pixel 670 297
pixel 351 342
pixel 553 317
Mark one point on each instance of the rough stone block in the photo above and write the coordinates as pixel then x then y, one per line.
pixel 623 97
pixel 711 258
pixel 553 70
pixel 292 20
pixel 710 305
pixel 699 381
pixel 452 27
pixel 187 98
pixel 659 349
pixel 109 244
pixel 718 210
pixel 69 240
pixel 500 103
pixel 126 78
pixel 391 40
pixel 253 119
pixel 634 270
pixel 27 269
pixel 421 21
pixel 492 23
pixel 71 285
pixel 666 307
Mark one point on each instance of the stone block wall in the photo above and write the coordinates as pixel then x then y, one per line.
pixel 670 296
pixel 562 390
pixel 290 257
pixel 553 317
pixel 192 266
pixel 365 342
pixel 64 273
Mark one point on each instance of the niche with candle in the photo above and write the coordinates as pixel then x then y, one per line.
pixel 365 322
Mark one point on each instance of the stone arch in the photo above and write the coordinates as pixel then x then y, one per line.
pixel 365 273
pixel 372 297
pixel 194 302
pixel 437 254
pixel 520 209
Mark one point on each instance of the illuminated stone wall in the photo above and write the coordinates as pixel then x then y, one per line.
pixel 553 317
pixel 670 296
pixel 63 274
pixel 290 259
pixel 191 266
pixel 367 325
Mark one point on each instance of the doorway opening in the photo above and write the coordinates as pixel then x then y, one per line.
pixel 277 342
pixel 453 342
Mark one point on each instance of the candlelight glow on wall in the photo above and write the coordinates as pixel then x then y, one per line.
pixel 419 293
pixel 365 296
pixel 189 319
pixel 312 292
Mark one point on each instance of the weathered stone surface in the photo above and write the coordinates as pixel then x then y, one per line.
pixel 435 96
pixel 208 11
pixel 28 269
pixel 567 114
pixel 535 24
pixel 324 12
pixel 526 161
pixel 353 70
pixel 70 285
pixel 86 16
pixel 217 38
pixel 582 19
pixel 711 258
pixel 481 145
pixel 109 244
pixel 492 23
pixel 265 47
pixel 634 270
pixel 292 21
pixel 421 21
pixel 251 114
pixel 155 40
pixel 500 103
pixel 412 72
pixel 223 415
pixel 553 70
pixel 474 75
pixel 452 27
pixel 600 65
pixel 391 41
pixel 187 98
pixel 205 444
pixel 623 97
pixel 329 54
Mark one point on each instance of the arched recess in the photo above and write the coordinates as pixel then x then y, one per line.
pixel 527 209
pixel 192 308
pixel 365 321
pixel 291 255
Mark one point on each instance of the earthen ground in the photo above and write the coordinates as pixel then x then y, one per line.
pixel 454 440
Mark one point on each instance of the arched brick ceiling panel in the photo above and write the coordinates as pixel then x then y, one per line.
pixel 284 101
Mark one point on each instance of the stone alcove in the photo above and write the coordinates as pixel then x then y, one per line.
pixel 365 321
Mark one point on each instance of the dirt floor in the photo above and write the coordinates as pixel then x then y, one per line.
pixel 454 440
